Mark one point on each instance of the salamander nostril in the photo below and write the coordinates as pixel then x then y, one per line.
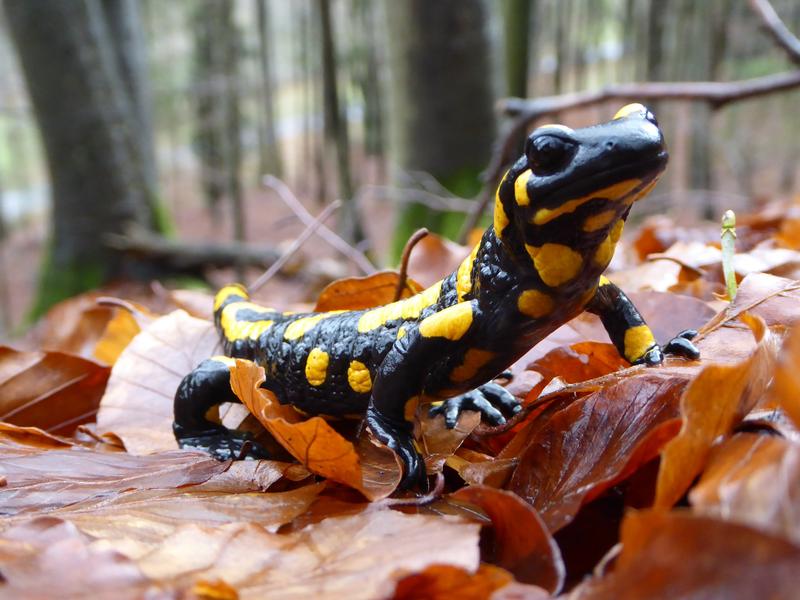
pixel 610 145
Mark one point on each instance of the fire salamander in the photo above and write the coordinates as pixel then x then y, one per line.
pixel 558 214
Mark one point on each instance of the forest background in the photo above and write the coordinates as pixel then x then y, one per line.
pixel 135 135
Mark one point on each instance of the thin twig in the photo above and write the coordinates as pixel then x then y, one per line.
pixel 403 276
pixel 410 195
pixel 301 239
pixel 431 496
pixel 289 199
pixel 777 29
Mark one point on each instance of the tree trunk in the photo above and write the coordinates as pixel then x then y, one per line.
pixel 516 43
pixel 441 125
pixel 217 118
pixel 269 149
pixel 336 134
pixel 89 130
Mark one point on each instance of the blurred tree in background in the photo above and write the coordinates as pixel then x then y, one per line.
pixel 84 68
pixel 201 98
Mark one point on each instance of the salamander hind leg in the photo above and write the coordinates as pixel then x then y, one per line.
pixel 493 401
pixel 202 389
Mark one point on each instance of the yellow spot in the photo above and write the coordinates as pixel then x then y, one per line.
pixel 464 274
pixel 474 359
pixel 234 289
pixel 638 340
pixel 317 366
pixel 451 323
pixel 604 253
pixel 630 109
pixel 401 331
pixel 555 263
pixel 521 188
pixel 500 217
pixel 410 308
pixel 599 220
pixel 297 329
pixel 616 231
pixel 239 330
pixel 535 304
pixel 604 281
pixel 613 192
pixel 358 377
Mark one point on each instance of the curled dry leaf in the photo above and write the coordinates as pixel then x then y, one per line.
pixel 597 441
pixel 678 555
pixel 579 362
pixel 520 540
pixel 476 468
pixel 438 441
pixel 356 293
pixel 713 404
pixel 785 391
pixel 137 404
pixel 755 480
pixel 442 582
pixel 73 326
pixel 119 332
pixel 374 471
pixel 50 390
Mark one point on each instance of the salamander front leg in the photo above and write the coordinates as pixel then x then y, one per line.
pixel 202 389
pixel 630 334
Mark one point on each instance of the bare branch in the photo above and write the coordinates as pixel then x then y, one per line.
pixel 301 239
pixel 777 29
pixel 403 276
pixel 284 193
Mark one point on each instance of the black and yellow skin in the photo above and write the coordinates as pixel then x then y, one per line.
pixel 559 212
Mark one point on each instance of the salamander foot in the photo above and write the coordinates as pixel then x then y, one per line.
pixel 490 399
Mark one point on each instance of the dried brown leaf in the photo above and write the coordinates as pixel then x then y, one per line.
pixel 356 293
pixel 442 582
pixel 373 470
pixel 754 480
pixel 713 404
pixel 676 555
pixel 51 390
pixel 137 404
pixel 433 256
pixel 520 541
pixel 596 441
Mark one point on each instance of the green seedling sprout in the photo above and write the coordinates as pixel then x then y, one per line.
pixel 728 242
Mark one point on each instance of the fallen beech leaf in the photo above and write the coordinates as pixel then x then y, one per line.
pixel 118 333
pixel 481 469
pixel 754 480
pixel 677 555
pixel 138 521
pixel 356 557
pixel 137 404
pixel 356 293
pixel 785 391
pixel 73 326
pixel 39 481
pixel 433 257
pixel 579 362
pixel 439 442
pixel 195 302
pixel 442 582
pixel 597 441
pixel 47 558
pixel 213 590
pixel 51 390
pixel 521 542
pixel 313 442
pixel 14 438
pixel 713 404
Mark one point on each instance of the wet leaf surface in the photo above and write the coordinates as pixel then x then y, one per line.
pixel 357 293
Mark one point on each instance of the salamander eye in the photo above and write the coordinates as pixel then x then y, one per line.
pixel 547 153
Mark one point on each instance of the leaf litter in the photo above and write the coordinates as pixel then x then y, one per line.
pixel 691 468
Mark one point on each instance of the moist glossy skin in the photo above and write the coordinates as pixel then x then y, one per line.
pixel 559 212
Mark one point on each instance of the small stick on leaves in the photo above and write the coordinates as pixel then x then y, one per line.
pixel 401 279
pixel 301 239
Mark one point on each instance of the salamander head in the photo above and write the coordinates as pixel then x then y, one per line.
pixel 574 188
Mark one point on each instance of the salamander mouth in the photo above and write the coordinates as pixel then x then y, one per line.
pixel 647 169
